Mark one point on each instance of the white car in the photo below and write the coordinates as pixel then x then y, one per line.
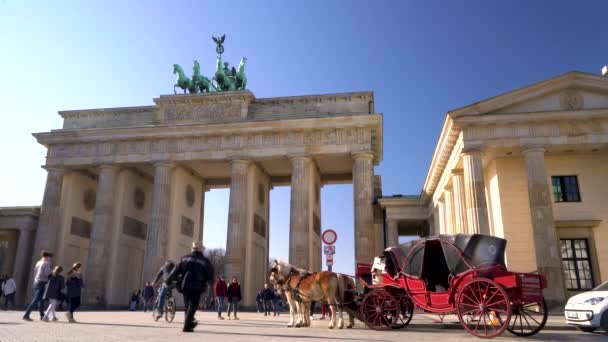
pixel 589 310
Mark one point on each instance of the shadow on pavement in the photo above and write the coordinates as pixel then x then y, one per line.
pixel 288 336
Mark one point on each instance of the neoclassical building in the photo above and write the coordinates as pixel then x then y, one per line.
pixel 126 186
pixel 530 166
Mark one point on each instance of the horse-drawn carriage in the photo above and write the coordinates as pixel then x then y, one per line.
pixel 449 274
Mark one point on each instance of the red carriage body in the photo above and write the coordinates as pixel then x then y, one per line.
pixel 460 274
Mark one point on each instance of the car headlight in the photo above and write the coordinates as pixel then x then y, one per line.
pixel 594 301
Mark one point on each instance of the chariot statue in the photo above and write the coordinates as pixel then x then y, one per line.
pixel 226 78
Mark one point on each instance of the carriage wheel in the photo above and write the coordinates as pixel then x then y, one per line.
pixel 483 308
pixel 528 318
pixel 406 311
pixel 379 309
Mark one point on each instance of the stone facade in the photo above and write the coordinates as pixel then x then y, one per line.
pixel 125 186
pixel 492 173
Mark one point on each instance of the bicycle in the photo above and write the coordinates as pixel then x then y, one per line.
pixel 169 307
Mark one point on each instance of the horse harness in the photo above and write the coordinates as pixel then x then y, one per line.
pixel 295 291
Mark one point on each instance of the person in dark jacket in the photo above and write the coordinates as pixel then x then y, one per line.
pixel 193 272
pixel 267 295
pixel 148 294
pixel 52 292
pixel 220 291
pixel 74 287
pixel 134 300
pixel 259 301
pixel 234 296
pixel 165 288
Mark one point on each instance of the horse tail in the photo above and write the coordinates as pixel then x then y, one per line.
pixel 341 288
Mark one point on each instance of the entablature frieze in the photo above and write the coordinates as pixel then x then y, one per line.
pixel 263 144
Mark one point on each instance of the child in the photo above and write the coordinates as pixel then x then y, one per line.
pixel 53 293
pixel 74 289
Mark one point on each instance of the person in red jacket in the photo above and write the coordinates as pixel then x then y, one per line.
pixel 221 291
pixel 234 296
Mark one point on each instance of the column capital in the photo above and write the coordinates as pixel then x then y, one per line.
pixel 471 151
pixel 55 169
pixel 109 167
pixel 528 150
pixel 457 172
pixel 362 155
pixel 237 161
pixel 448 187
pixel 295 157
pixel 166 163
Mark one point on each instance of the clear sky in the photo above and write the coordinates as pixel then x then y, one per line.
pixel 421 59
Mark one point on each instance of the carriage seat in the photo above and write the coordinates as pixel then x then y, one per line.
pixel 435 270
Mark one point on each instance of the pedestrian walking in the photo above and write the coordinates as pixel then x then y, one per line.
pixel 74 287
pixel 134 300
pixel 259 301
pixel 52 292
pixel 8 290
pixel 275 303
pixel 220 291
pixel 234 297
pixel 148 294
pixel 267 298
pixel 195 271
pixel 165 288
pixel 42 271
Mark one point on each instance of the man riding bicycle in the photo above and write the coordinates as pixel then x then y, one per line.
pixel 163 273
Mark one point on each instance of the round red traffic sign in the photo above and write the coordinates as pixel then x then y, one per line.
pixel 329 236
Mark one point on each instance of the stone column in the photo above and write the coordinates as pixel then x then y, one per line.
pixel 449 210
pixel 99 244
pixel 237 220
pixel 22 267
pixel 392 233
pixel 460 212
pixel 441 222
pixel 300 212
pixel 202 219
pixel 158 224
pixel 363 187
pixel 546 245
pixel 477 207
pixel 50 212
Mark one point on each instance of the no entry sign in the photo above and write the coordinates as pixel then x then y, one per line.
pixel 329 236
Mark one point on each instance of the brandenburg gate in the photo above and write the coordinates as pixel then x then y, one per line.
pixel 126 187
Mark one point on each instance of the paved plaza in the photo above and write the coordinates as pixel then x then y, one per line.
pixel 138 326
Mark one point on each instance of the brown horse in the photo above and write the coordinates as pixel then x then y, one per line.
pixel 302 287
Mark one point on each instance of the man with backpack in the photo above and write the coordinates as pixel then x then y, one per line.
pixel 192 275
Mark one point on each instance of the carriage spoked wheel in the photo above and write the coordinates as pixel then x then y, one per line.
pixel 379 309
pixel 406 311
pixel 528 318
pixel 170 309
pixel 483 307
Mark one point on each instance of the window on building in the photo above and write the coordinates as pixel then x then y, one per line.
pixel 576 264
pixel 565 189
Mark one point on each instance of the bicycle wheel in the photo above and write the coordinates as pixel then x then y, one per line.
pixel 170 310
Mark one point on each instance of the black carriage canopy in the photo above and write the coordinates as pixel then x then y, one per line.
pixel 431 257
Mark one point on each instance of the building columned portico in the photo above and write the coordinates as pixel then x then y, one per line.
pixel 125 186
pixel 528 166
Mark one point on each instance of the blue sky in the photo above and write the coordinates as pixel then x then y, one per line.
pixel 421 59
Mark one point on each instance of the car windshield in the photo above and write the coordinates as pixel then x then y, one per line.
pixel 603 287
